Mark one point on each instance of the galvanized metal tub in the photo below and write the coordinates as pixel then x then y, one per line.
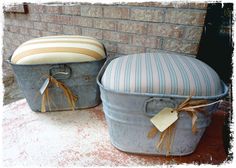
pixel 128 118
pixel 79 77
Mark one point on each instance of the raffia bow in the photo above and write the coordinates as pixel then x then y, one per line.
pixel 46 99
pixel 189 106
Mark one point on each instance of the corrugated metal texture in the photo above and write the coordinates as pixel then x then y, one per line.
pixel 80 79
pixel 128 117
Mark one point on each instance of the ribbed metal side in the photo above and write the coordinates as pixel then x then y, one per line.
pixel 80 78
pixel 128 118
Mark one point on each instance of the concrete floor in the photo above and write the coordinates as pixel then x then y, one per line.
pixel 81 138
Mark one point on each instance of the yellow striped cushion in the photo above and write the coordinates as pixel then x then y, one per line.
pixel 58 49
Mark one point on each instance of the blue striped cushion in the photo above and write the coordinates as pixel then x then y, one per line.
pixel 163 73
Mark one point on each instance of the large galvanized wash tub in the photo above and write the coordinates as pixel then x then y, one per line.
pixel 72 60
pixel 128 109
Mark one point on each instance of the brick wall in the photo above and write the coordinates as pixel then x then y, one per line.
pixel 123 28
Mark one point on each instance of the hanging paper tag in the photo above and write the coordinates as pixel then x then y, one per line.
pixel 44 86
pixel 165 118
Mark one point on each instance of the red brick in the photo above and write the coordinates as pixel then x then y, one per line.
pixel 54 27
pixel 53 9
pixel 23 30
pixel 7 21
pixel 180 46
pixel 74 30
pixel 126 49
pixel 115 36
pixel 180 5
pixel 10 37
pixel 110 46
pixel 198 5
pixel 36 8
pixel 146 14
pixel 91 11
pixel 7 35
pixel 71 10
pixel 165 30
pixel 40 25
pixel 188 17
pixel 82 21
pixel 132 27
pixel 193 33
pixel 116 12
pixel 96 33
pixel 35 33
pixel 47 33
pixel 9 16
pixel 15 22
pixel 59 19
pixel 6 38
pixel 20 16
pixel 64 19
pixel 18 8
pixel 48 18
pixel 34 17
pixel 145 41
pixel 104 24
pixel 18 39
pixel 25 23
pixel 13 29
pixel 6 28
pixel 151 50
pixel 160 4
pixel 149 4
pixel 111 54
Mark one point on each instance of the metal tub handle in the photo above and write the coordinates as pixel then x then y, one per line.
pixel 61 71
pixel 155 104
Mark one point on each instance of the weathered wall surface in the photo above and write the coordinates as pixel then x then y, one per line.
pixel 123 28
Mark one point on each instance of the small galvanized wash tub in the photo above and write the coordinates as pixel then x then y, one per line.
pixel 78 74
pixel 128 110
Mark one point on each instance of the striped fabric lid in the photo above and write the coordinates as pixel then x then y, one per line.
pixel 58 49
pixel 161 73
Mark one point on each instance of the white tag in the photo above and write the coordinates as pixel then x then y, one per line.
pixel 44 86
pixel 165 118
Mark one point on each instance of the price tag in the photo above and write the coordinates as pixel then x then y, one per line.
pixel 165 118
pixel 44 86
